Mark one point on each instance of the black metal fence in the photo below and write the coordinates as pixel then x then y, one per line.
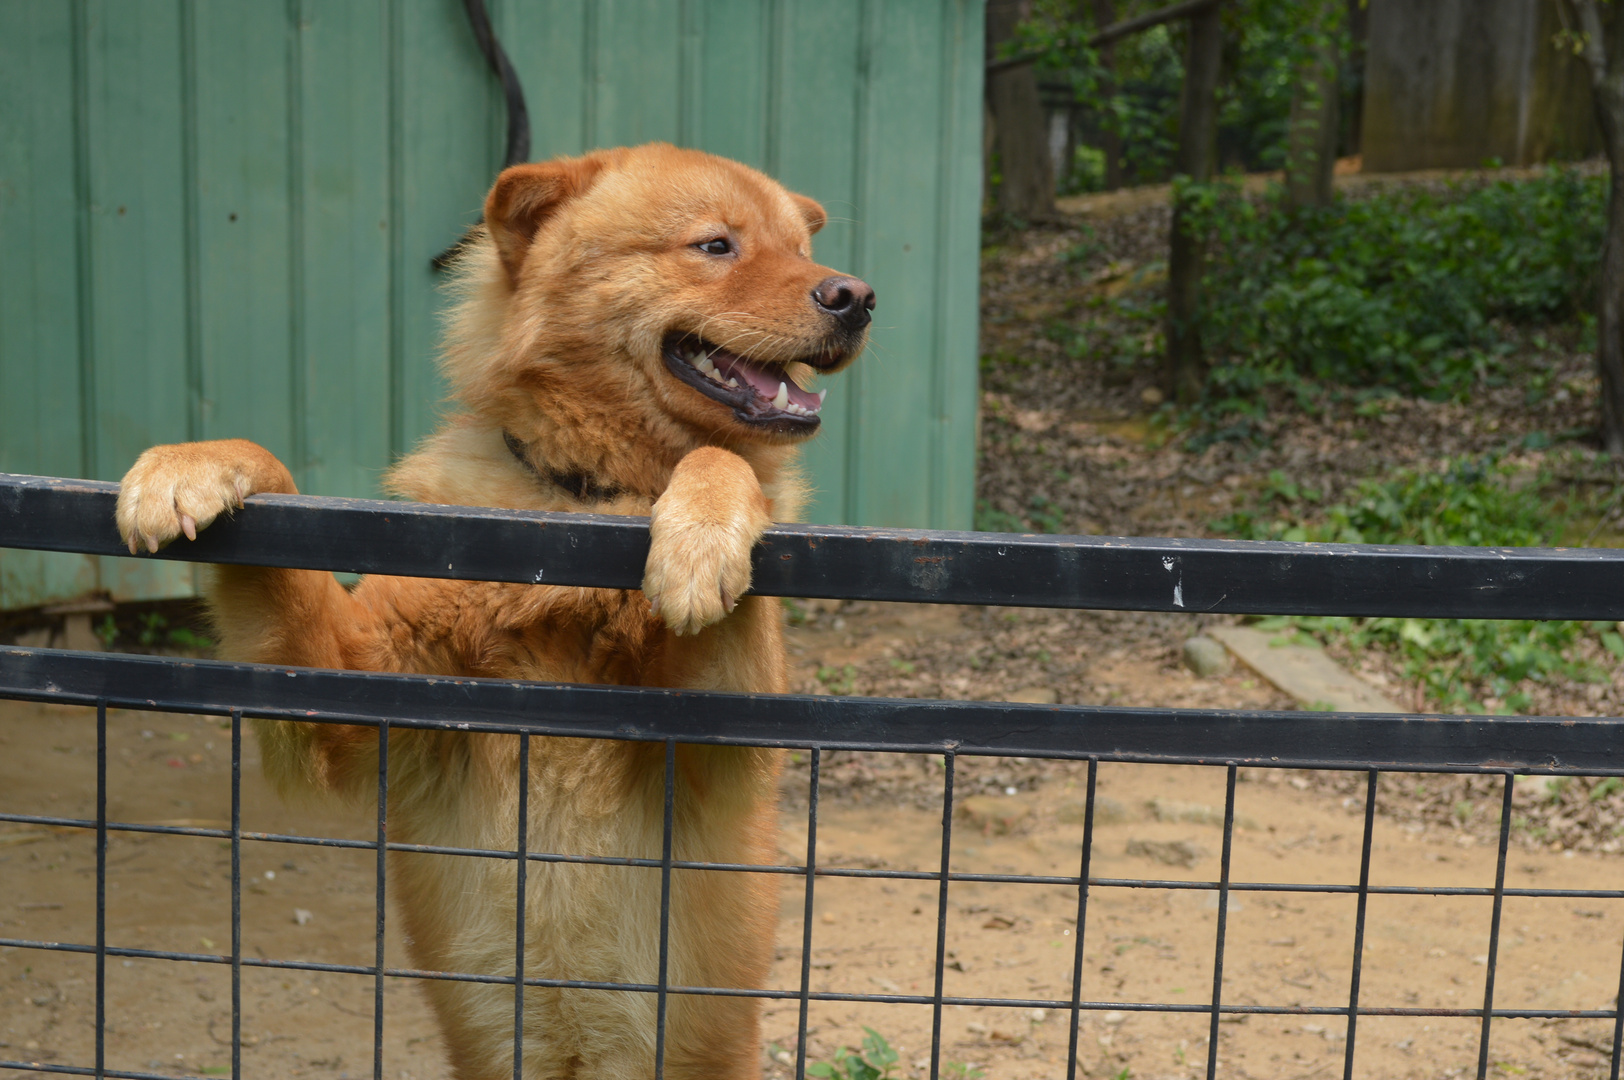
pixel 876 564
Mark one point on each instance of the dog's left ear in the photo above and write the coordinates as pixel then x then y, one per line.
pixel 525 196
pixel 811 211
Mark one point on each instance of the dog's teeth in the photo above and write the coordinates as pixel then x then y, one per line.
pixel 821 395
pixel 714 374
pixel 732 382
pixel 781 398
pixel 703 363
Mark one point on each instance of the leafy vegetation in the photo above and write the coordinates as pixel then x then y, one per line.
pixel 1478 503
pixel 1399 290
pixel 151 630
pixel 1138 101
pixel 1040 515
pixel 874 1062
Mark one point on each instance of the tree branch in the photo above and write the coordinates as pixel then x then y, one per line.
pixel 1591 47
pixel 1114 31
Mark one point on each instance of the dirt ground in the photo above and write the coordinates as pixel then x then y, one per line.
pixel 870 936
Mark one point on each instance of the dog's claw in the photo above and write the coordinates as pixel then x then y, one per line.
pixel 152 542
pixel 188 525
pixel 654 605
pixel 728 602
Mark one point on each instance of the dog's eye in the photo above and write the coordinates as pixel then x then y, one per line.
pixel 718 246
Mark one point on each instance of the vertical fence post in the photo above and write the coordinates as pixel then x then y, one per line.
pixel 1618 1021
pixel 101 887
pixel 522 867
pixel 383 851
pixel 806 920
pixel 1223 919
pixel 1494 927
pixel 1082 920
pixel 1359 921
pixel 665 909
pixel 948 760
pixel 236 894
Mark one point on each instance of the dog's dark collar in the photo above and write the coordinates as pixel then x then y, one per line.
pixel 578 483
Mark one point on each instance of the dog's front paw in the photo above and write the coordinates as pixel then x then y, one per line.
pixel 700 536
pixel 171 490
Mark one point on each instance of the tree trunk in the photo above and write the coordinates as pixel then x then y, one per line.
pixel 1610 317
pixel 1603 50
pixel 1020 132
pixel 1110 138
pixel 1198 132
pixel 1312 131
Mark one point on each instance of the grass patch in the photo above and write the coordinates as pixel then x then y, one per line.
pixel 1476 503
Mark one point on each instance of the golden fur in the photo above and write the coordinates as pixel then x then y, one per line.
pixel 559 351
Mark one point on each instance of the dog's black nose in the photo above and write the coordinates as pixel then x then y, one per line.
pixel 846 298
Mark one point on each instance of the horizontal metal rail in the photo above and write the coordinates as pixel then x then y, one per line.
pixel 1097 572
pixel 1167 884
pixel 1430 743
pixel 794 995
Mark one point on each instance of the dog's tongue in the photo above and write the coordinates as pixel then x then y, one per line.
pixel 762 380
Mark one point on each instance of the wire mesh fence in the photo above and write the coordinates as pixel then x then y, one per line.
pixel 1274 578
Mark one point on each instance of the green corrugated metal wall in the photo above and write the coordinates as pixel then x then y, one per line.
pixel 216 218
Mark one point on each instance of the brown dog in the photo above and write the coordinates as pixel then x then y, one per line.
pixel 634 334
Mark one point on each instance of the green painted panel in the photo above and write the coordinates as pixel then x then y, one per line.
pixel 820 151
pixel 134 109
pixel 342 335
pixel 956 352
pixel 245 223
pixel 227 210
pixel 899 223
pixel 546 40
pixel 444 155
pixel 726 56
pixel 633 93
pixel 40 389
pixel 39 223
pixel 137 214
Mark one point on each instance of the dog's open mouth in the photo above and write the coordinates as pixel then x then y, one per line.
pixel 759 392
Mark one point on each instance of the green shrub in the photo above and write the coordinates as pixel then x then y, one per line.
pixel 1475 503
pixel 1394 290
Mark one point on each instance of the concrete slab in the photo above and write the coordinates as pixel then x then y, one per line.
pixel 1304 672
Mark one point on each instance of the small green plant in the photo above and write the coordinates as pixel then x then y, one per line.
pixel 1606 787
pixel 838 680
pixel 1042 516
pixel 152 627
pixel 107 630
pixel 963 1070
pixel 874 1062
pixel 182 638
pixel 1466 502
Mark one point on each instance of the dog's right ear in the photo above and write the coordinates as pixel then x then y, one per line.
pixel 524 196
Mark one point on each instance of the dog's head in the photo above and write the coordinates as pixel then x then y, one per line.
pixel 678 279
